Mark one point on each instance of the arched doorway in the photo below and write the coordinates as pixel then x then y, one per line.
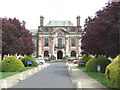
pixel 46 54
pixel 73 54
pixel 59 55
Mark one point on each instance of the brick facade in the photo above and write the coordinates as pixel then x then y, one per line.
pixel 54 32
pixel 77 44
pixel 69 43
pixel 49 44
pixel 42 43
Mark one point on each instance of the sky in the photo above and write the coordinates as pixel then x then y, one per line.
pixel 31 10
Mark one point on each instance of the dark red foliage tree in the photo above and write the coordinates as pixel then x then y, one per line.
pixel 101 32
pixel 15 38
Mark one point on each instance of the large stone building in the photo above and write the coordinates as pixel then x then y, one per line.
pixel 58 40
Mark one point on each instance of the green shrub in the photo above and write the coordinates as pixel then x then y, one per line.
pixel 84 59
pixel 112 73
pixel 29 58
pixel 12 64
pixel 91 65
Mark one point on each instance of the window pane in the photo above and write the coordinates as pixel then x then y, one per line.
pixel 46 42
pixel 73 42
pixel 34 41
pixel 59 41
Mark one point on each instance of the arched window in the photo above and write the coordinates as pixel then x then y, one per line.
pixel 73 54
pixel 46 54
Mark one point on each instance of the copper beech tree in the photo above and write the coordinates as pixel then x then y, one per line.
pixel 15 38
pixel 102 32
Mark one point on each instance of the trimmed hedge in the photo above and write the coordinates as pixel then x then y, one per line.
pixel 113 73
pixel 84 59
pixel 91 65
pixel 29 58
pixel 12 64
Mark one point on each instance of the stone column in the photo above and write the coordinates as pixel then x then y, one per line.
pixel 39 46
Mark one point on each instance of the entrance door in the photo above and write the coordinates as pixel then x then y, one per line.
pixel 59 55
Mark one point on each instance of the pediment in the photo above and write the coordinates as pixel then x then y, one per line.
pixel 60 31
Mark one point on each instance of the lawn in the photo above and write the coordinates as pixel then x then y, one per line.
pixel 100 77
pixel 6 74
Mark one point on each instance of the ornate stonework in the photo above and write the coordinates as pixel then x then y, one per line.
pixel 59 40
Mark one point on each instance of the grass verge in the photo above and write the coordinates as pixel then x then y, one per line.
pixel 100 77
pixel 7 74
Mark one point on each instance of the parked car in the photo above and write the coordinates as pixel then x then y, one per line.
pixel 75 61
pixel 40 60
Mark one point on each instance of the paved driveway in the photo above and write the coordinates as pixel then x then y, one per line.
pixel 55 76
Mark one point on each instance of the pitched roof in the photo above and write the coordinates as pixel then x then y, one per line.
pixel 59 23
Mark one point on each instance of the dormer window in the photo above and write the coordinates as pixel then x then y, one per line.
pixel 46 30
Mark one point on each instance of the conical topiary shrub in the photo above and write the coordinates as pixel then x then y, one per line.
pixel 113 73
pixel 12 64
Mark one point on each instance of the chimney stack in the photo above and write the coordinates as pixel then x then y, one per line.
pixel 78 21
pixel 23 23
pixel 41 20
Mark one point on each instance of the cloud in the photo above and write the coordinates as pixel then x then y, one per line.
pixel 30 10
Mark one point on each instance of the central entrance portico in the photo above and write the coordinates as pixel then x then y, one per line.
pixel 59 55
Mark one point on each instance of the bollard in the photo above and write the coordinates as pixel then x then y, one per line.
pixel 45 65
pixel 30 72
pixel 79 85
pixel 39 67
pixel 68 68
pixel 21 77
pixel 42 67
pixel 4 84
pixel 75 83
pixel 67 64
pixel 35 69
